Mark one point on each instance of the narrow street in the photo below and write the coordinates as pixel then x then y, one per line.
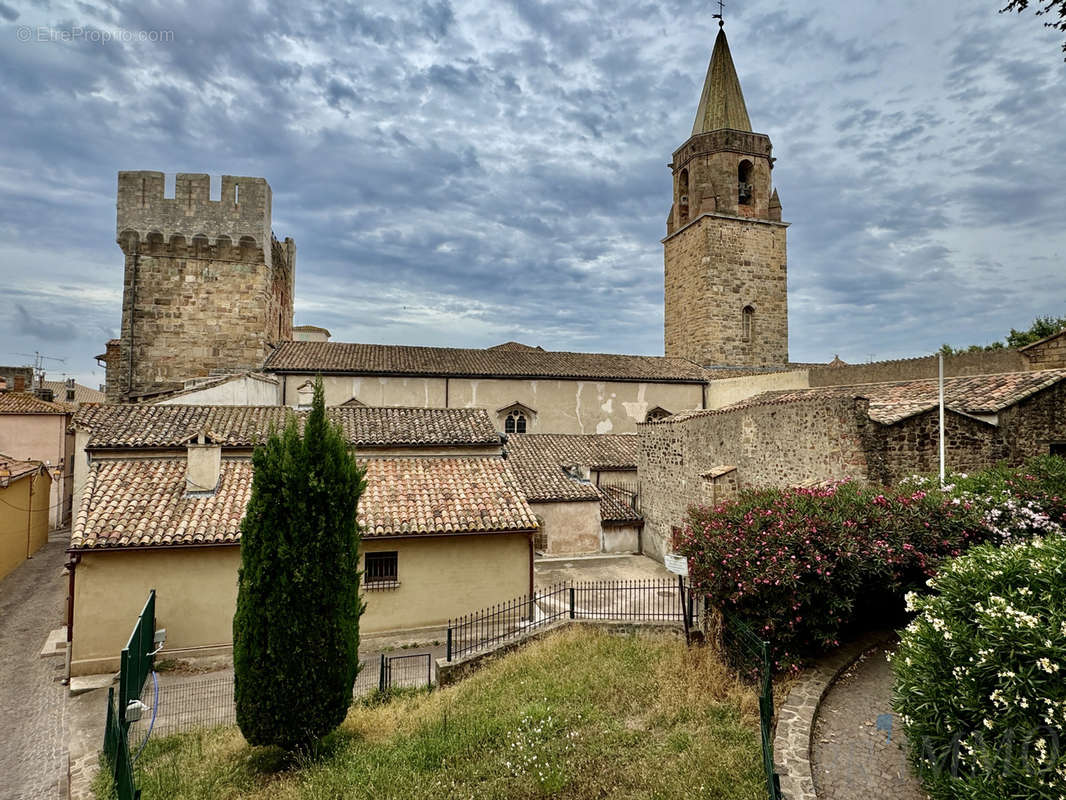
pixel 32 698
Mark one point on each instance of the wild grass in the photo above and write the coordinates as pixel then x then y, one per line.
pixel 579 714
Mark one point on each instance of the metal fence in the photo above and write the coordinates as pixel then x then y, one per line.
pixel 136 662
pixel 207 703
pixel 751 656
pixel 643 601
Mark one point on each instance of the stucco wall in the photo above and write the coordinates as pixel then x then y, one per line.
pixel 621 539
pixel 43 437
pixel 772 445
pixel 561 406
pixel 196 592
pixel 442 577
pixel 239 392
pixel 23 519
pixel 569 528
pixel 721 393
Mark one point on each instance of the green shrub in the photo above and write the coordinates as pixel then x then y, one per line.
pixel 800 565
pixel 296 628
pixel 980 674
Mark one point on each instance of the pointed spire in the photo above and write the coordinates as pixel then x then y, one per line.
pixel 722 102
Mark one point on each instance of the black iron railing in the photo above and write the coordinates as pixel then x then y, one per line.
pixel 634 601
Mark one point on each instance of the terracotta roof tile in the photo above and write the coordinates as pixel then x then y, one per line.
pixel 152 426
pixel 616 506
pixel 143 502
pixel 538 460
pixel 82 394
pixel 512 362
pixel 13 468
pixel 25 403
pixel 894 401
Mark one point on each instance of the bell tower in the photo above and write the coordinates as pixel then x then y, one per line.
pixel 726 286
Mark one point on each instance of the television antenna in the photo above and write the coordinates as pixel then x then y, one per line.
pixel 38 365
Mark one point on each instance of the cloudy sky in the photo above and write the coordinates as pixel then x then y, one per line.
pixel 465 172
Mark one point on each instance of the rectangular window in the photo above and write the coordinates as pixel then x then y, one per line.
pixel 380 570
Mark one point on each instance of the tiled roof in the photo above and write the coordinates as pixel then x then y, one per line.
pixel 143 502
pixel 616 506
pixel 82 394
pixel 12 469
pixel 25 403
pixel 509 362
pixel 897 400
pixel 152 426
pixel 442 495
pixel 538 460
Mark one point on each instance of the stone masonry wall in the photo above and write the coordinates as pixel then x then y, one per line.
pixel 1033 425
pixel 785 444
pixel 714 268
pixel 207 287
pixel 1048 354
pixel 985 362
pixel 913 445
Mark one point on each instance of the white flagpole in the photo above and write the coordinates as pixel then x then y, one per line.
pixel 941 420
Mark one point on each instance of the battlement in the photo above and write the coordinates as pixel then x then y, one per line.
pixel 238 222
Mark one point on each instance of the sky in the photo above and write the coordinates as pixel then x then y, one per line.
pixel 468 173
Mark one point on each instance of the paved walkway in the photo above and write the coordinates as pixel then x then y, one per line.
pixel 32 697
pixel 856 751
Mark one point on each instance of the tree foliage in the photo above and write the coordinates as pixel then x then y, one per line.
pixel 296 628
pixel 1041 328
pixel 1053 7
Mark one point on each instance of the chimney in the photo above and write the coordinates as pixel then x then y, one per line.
pixel 202 465
pixel 46 394
pixel 70 390
pixel 20 382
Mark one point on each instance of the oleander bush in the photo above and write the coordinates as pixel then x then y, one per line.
pixel 980 674
pixel 802 565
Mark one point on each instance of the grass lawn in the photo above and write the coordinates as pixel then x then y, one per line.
pixel 579 714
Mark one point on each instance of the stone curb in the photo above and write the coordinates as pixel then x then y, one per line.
pixel 795 720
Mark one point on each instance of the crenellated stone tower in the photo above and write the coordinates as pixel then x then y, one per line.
pixel 208 289
pixel 725 268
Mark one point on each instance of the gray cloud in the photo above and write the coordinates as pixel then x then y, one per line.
pixel 469 173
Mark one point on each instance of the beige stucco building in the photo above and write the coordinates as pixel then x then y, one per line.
pixel 446 527
pixel 25 489
pixel 32 429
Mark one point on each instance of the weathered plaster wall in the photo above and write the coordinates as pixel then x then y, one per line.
pixel 621 539
pixel 43 437
pixel 23 519
pixel 772 445
pixel 196 591
pixel 561 406
pixel 570 528
pixel 721 393
pixel 244 391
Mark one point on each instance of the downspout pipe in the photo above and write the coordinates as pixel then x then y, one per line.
pixel 72 565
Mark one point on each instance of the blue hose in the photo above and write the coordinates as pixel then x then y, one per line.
pixel 155 710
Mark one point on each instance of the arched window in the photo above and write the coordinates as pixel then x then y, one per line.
pixel 657 413
pixel 744 171
pixel 747 323
pixel 682 197
pixel 515 423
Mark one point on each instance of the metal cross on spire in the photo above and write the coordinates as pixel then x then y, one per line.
pixel 720 15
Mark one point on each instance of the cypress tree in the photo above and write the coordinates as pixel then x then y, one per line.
pixel 296 629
